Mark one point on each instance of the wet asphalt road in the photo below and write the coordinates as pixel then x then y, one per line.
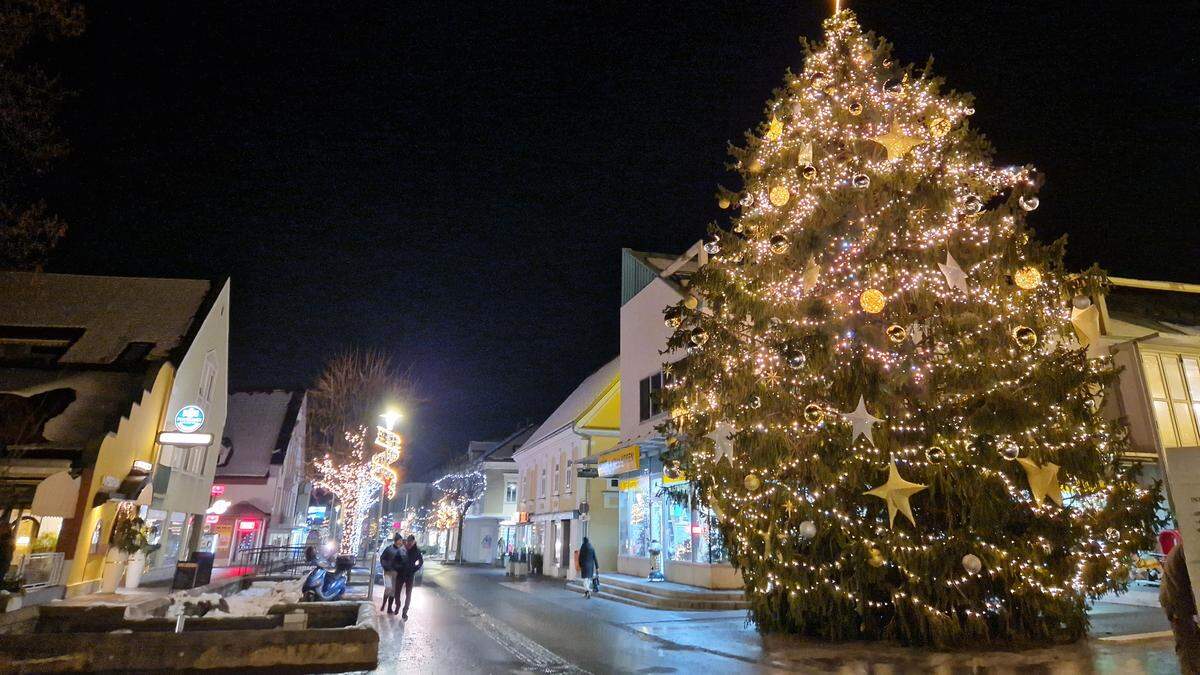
pixel 473 620
pixel 470 620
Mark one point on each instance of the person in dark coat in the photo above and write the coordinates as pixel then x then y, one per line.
pixel 589 567
pixel 388 562
pixel 1175 596
pixel 412 561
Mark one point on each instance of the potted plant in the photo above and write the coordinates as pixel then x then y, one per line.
pixel 122 544
pixel 140 540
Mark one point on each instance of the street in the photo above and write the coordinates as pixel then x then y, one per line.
pixel 473 620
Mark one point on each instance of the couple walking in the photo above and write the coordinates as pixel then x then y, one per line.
pixel 400 562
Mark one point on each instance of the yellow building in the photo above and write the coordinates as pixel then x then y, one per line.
pixel 92 370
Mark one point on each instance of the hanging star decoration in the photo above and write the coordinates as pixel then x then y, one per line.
pixel 896 492
pixel 1043 480
pixel 722 435
pixel 774 130
pixel 896 142
pixel 955 276
pixel 863 421
pixel 1087 327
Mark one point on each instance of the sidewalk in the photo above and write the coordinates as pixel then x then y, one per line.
pixel 148 595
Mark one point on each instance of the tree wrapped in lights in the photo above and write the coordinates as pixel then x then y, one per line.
pixel 888 397
pixel 346 402
pixel 460 491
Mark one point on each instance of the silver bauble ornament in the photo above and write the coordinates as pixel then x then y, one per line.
pixel 793 355
pixel 935 454
pixel 971 563
pixel 698 336
pixel 861 181
pixel 1028 203
pixel 808 529
pixel 1008 449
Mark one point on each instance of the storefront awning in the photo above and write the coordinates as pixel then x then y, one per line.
pixel 134 487
pixel 544 517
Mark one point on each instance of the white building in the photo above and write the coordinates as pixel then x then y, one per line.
pixel 260 489
pixel 549 489
pixel 489 526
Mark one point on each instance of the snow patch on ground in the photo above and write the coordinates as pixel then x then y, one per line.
pixel 253 601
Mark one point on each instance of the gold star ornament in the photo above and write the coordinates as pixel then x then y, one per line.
pixel 774 130
pixel 1043 480
pixel 896 142
pixel 896 492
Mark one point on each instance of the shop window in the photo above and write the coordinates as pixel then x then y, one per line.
pixel 47 537
pixel 155 526
pixel 174 540
pixel 1173 382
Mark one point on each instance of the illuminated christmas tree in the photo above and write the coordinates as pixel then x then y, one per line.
pixel 892 392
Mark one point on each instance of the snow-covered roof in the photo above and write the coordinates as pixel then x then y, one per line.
pixel 577 403
pixel 258 423
pixel 106 313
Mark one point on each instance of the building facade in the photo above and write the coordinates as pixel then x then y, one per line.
pixel 95 368
pixel 489 526
pixel 260 494
pixel 557 507
pixel 660 529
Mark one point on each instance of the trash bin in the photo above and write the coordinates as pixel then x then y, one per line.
pixel 196 571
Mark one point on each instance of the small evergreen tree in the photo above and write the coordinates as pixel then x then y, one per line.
pixel 885 400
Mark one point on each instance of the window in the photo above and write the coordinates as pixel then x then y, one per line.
pixel 650 395
pixel 208 378
pixel 542 484
pixel 556 475
pixel 566 474
pixel 510 492
pixel 1174 384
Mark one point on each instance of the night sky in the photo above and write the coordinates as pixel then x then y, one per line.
pixel 453 182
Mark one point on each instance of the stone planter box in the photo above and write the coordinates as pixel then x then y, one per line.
pixel 341 636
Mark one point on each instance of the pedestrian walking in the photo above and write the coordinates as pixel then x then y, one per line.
pixel 411 564
pixel 589 568
pixel 1175 596
pixel 387 562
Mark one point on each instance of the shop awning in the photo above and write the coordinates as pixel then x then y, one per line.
pixel 134 487
pixel 560 515
pixel 56 495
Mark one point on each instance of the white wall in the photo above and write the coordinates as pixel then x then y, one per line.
pixel 189 493
pixel 643 336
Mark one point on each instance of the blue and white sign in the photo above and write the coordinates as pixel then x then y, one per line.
pixel 189 419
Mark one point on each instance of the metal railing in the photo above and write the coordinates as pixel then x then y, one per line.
pixel 40 569
pixel 272 559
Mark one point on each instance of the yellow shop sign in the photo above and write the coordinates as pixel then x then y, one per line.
pixel 629 484
pixel 680 477
pixel 620 461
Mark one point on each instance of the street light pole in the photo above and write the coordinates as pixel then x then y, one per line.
pixel 390 417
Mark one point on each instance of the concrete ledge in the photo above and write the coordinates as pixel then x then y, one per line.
pixel 342 637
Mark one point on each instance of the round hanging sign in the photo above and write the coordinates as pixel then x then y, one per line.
pixel 189 419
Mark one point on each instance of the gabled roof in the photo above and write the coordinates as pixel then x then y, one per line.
pixel 502 451
pixel 259 426
pixel 639 268
pixel 577 403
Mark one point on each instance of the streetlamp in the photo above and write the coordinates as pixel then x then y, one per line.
pixel 390 417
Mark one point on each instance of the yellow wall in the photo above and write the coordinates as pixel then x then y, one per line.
pixel 604 414
pixel 135 439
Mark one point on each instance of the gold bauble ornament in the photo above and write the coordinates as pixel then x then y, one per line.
pixel 808 172
pixel 939 127
pixel 818 80
pixel 673 317
pixel 1027 278
pixel 774 130
pixel 779 244
pixel 872 301
pixel 896 333
pixel 1025 337
pixel 691 302
pixel 698 336
pixel 724 203
pixel 855 108
pixel 756 166
pixel 875 558
pixel 752 482
pixel 779 195
pixel 813 413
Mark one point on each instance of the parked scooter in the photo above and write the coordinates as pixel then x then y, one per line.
pixel 323 584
